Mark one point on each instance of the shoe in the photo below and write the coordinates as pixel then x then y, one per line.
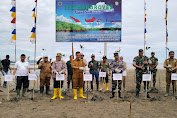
pixel 107 87
pixel 75 94
pixel 18 93
pixel 47 90
pixel 148 96
pixel 60 93
pixel 119 94
pixel 167 91
pixel 23 92
pixel 41 91
pixel 81 93
pixel 137 95
pixel 112 95
pixel 55 94
pixel 101 87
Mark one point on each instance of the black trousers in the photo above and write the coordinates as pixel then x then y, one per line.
pixel 57 84
pixel 22 80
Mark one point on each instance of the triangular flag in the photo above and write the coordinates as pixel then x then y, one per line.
pixel 14 37
pixel 13 14
pixel 13 0
pixel 14 31
pixel 167 40
pixel 13 21
pixel 166 0
pixel 145 30
pixel 33 9
pixel 13 9
pixel 144 36
pixel 145 19
pixel 33 30
pixel 33 35
pixel 35 0
pixel 34 15
pixel 145 14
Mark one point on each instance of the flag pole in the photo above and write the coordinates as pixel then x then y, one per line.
pixel 16 34
pixel 144 27
pixel 166 14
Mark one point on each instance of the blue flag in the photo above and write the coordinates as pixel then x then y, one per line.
pixel 33 9
pixel 145 30
pixel 33 30
pixel 13 9
pixel 14 31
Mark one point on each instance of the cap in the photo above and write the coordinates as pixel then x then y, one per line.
pixel 152 52
pixel 140 50
pixel 45 56
pixel 92 55
pixel 116 54
pixel 104 57
pixel 59 55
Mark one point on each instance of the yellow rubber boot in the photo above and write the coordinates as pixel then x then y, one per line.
pixel 75 94
pixel 107 87
pixel 81 93
pixel 60 92
pixel 54 94
pixel 101 87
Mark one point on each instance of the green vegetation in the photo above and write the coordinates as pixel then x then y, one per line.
pixel 64 26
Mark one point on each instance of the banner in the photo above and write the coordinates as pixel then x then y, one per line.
pixel 88 20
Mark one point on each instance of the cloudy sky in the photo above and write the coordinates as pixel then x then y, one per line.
pixel 132 30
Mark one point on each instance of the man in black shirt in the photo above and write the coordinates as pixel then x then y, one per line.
pixel 6 67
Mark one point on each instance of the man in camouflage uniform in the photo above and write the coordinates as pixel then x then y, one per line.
pixel 171 67
pixel 153 69
pixel 104 66
pixel 116 66
pixel 93 65
pixel 141 63
pixel 45 75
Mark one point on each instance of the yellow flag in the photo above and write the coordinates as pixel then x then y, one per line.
pixel 13 14
pixel 166 16
pixel 145 14
pixel 144 36
pixel 167 40
pixel 33 35
pixel 34 15
pixel 14 37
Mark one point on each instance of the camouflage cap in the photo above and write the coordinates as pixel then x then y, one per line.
pixel 116 54
pixel 140 50
pixel 104 57
pixel 59 55
pixel 92 55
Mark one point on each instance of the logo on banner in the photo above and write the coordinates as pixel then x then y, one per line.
pixel 59 3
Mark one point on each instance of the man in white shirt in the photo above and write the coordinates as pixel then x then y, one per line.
pixel 22 68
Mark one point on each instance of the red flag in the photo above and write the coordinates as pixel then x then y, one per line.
pixel 13 21
pixel 166 22
pixel 102 31
pixel 145 19
pixel 36 1
pixel 166 0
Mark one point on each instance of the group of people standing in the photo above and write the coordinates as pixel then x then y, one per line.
pixel 76 68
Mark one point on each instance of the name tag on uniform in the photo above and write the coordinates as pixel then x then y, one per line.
pixel 102 74
pixel 32 77
pixel 60 77
pixel 117 76
pixel 173 76
pixel 9 78
pixel 87 77
pixel 146 77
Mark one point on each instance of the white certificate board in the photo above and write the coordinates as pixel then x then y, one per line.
pixel 87 77
pixel 124 73
pixel 9 78
pixel 117 76
pixel 173 76
pixel 102 74
pixel 146 77
pixel 60 77
pixel 32 77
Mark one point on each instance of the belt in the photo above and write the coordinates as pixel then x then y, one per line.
pixel 93 70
